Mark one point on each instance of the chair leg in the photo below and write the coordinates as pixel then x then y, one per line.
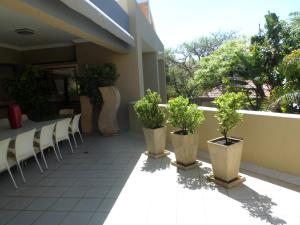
pixel 55 152
pixel 74 140
pixel 70 145
pixel 80 136
pixel 21 172
pixel 11 176
pixel 44 159
pixel 58 149
pixel 37 161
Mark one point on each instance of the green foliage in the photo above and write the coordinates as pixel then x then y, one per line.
pixel 291 67
pixel 220 64
pixel 148 110
pixel 184 115
pixel 182 63
pixel 285 99
pixel 30 90
pixel 95 77
pixel 252 66
pixel 227 114
pixel 106 74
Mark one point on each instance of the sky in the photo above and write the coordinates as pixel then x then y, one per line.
pixel 177 21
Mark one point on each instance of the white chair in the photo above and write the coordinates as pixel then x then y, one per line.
pixel 74 128
pixel 62 133
pixel 6 161
pixel 66 112
pixel 45 140
pixel 24 149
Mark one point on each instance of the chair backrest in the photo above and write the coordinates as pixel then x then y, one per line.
pixel 4 123
pixel 75 123
pixel 66 112
pixel 3 153
pixel 62 129
pixel 24 145
pixel 46 136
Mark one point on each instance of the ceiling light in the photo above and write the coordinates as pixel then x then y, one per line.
pixel 25 31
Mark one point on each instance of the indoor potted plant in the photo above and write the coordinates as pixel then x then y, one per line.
pixel 152 117
pixel 187 118
pixel 89 97
pixel 225 152
pixel 97 91
pixel 30 90
pixel 111 99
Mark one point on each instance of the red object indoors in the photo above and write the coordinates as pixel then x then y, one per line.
pixel 15 116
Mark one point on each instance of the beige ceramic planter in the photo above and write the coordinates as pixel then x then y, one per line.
pixel 186 148
pixel 225 159
pixel 86 114
pixel 107 121
pixel 155 140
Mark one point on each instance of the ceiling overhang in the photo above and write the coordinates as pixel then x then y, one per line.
pixel 91 11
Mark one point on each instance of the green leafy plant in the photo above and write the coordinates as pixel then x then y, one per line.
pixel 184 115
pixel 291 67
pixel 30 90
pixel 227 114
pixel 95 77
pixel 148 110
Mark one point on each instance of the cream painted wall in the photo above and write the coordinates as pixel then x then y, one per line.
pixel 271 140
pixel 162 80
pixel 49 55
pixel 150 70
pixel 9 56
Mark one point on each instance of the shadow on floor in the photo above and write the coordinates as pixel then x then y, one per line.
pixel 257 205
pixel 152 165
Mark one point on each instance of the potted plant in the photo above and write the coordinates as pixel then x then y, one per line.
pixel 187 118
pixel 89 97
pixel 30 90
pixel 107 120
pixel 226 152
pixel 152 117
pixel 97 91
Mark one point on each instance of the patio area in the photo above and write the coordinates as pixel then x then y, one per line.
pixel 109 181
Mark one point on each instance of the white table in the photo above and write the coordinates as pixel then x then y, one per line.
pixel 7 132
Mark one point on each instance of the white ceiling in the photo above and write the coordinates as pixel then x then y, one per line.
pixel 44 34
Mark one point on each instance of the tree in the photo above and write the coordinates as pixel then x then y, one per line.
pixel 182 62
pixel 220 65
pixel 286 98
pixel 251 67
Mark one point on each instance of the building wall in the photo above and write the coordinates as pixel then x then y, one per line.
pixel 162 80
pixel 49 55
pixel 271 140
pixel 150 70
pixel 9 56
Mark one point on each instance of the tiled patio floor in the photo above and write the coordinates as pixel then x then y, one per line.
pixel 85 189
